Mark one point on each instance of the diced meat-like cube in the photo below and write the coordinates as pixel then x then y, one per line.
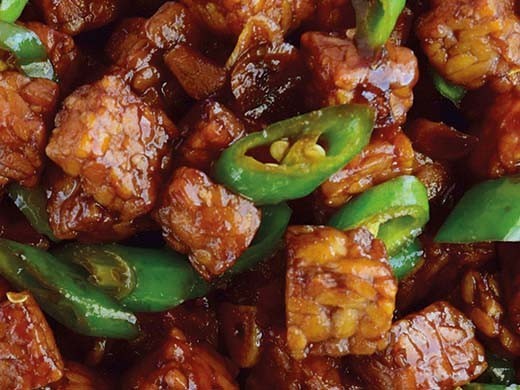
pixel 198 75
pixel 482 299
pixel 206 221
pixel 79 377
pixel 115 143
pixel 24 106
pixel 73 16
pixel 267 80
pixel 73 214
pixel 140 63
pixel 340 74
pixel 62 52
pixel 340 292
pixel 29 357
pixel 171 25
pixel 498 151
pixel 469 41
pixel 210 128
pixel 278 370
pixel 389 154
pixel 181 364
pixel 432 349
pixel 228 17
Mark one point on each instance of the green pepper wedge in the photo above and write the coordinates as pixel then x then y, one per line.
pixel 32 203
pixel 490 211
pixel 141 279
pixel 375 21
pixel 62 292
pixel 29 51
pixel 404 262
pixel 10 10
pixel 452 92
pixel 151 280
pixel 303 163
pixel 394 212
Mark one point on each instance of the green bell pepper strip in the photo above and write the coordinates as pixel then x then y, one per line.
pixel 487 386
pixel 394 212
pixel 490 211
pixel 304 164
pixel 10 10
pixel 29 51
pixel 500 371
pixel 32 203
pixel 404 262
pixel 450 91
pixel 151 280
pixel 141 279
pixel 375 21
pixel 62 291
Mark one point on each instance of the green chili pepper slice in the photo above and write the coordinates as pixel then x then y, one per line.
pixel 151 280
pixel 32 203
pixel 275 220
pixel 10 10
pixel 404 262
pixel 490 211
pixel 394 212
pixel 375 21
pixel 303 163
pixel 29 51
pixel 452 92
pixel 62 291
pixel 141 279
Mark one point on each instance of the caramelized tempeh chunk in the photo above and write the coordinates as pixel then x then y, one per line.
pixel 498 151
pixel 228 17
pixel 432 349
pixel 389 154
pixel 24 106
pixel 210 127
pixel 206 221
pixel 73 16
pixel 115 143
pixel 75 214
pixel 469 41
pixel 181 364
pixel 29 357
pixel 340 74
pixel 340 292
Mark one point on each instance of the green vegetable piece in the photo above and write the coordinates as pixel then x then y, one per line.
pixel 394 212
pixel 375 21
pixel 303 163
pixel 404 262
pixel 490 211
pixel 29 51
pixel 143 280
pixel 486 386
pixel 32 203
pixel 500 371
pixel 151 280
pixel 63 292
pixel 455 93
pixel 10 10
pixel 275 220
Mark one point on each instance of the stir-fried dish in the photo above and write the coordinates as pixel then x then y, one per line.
pixel 259 194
